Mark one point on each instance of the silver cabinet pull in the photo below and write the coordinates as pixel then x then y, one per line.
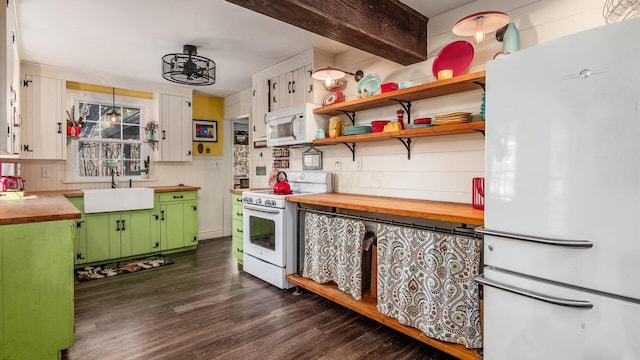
pixel 556 242
pixel 583 304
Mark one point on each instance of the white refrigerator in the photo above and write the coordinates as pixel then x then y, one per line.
pixel 562 199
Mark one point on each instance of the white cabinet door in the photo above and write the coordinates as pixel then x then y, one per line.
pixel 259 108
pixel 175 128
pixel 43 126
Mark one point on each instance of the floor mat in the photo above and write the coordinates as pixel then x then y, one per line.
pixel 121 267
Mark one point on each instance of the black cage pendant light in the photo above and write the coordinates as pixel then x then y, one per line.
pixel 113 114
pixel 189 68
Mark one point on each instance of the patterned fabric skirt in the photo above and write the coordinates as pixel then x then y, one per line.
pixel 425 280
pixel 333 252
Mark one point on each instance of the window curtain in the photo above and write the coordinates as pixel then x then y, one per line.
pixel 425 280
pixel 333 252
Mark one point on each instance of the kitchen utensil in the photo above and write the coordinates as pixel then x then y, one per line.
pixel 456 56
pixel 282 186
pixel 370 83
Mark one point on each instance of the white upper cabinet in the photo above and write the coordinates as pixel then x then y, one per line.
pixel 285 84
pixel 175 128
pixel 9 84
pixel 43 125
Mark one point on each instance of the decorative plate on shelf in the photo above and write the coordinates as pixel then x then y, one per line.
pixel 371 83
pixel 456 56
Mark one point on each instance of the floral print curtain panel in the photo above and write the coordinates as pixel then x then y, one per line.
pixel 425 280
pixel 333 252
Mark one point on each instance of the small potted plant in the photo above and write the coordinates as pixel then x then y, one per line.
pixel 150 128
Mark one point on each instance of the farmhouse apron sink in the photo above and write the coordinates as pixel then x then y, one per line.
pixel 106 200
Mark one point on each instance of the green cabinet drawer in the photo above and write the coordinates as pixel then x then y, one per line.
pixel 178 196
pixel 237 227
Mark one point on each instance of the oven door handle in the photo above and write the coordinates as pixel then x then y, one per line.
pixel 260 209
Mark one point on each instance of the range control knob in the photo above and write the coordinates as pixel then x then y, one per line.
pixel 270 202
pixel 258 201
pixel 247 200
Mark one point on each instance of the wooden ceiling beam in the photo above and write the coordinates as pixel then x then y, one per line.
pixel 387 28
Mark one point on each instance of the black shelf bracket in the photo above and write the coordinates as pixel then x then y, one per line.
pixel 351 115
pixel 406 105
pixel 352 148
pixel 407 145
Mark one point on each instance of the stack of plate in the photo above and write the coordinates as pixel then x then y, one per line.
pixel 357 130
pixel 453 118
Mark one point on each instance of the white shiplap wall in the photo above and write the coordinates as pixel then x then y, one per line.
pixel 441 168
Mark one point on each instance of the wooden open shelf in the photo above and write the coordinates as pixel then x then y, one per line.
pixel 368 307
pixel 406 134
pixel 458 84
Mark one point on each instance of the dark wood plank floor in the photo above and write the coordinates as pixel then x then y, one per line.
pixel 203 307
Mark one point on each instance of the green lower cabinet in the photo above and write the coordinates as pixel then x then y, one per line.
pixel 171 225
pixel 36 296
pixel 237 225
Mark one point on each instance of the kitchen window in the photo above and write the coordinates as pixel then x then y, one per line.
pixel 101 142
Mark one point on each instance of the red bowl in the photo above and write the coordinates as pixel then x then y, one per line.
pixel 380 122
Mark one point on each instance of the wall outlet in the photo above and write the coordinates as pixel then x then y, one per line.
pixel 337 165
pixel 46 172
pixel 359 164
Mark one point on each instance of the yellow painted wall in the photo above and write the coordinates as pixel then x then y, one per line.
pixel 211 109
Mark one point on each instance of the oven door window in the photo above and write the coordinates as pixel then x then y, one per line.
pixel 262 232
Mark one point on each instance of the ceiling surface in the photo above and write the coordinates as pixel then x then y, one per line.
pixel 127 38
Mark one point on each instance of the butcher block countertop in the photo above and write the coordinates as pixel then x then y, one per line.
pixel 423 209
pixel 37 207
pixel 53 205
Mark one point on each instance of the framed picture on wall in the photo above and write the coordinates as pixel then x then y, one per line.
pixel 205 130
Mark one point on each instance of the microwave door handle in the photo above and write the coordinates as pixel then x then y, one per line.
pixel 584 304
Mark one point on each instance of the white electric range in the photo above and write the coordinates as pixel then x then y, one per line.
pixel 270 226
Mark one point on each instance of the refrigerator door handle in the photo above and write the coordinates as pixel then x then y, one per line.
pixel 582 304
pixel 583 244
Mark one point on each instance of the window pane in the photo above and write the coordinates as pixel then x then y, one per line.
pixel 91 129
pixel 114 131
pixel 132 151
pixel 111 151
pixel 131 167
pixel 130 116
pixel 131 132
pixel 89 168
pixel 88 150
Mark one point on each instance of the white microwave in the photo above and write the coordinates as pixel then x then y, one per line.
pixel 293 125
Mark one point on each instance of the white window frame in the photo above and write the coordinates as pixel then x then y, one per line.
pixel 74 97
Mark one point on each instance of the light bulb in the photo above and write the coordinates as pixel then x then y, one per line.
pixel 327 82
pixel 113 118
pixel 478 37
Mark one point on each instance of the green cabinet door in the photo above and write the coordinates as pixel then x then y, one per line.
pixel 136 232
pixel 103 241
pixel 179 226
pixel 37 289
pixel 80 242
